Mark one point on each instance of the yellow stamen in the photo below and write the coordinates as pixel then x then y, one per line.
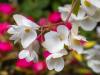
pixel 27 30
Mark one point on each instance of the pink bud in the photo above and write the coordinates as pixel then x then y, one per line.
pixel 69 25
pixel 22 63
pixel 6 46
pixel 46 53
pixel 31 18
pixel 54 17
pixel 39 66
pixel 40 38
pixel 6 8
pixel 42 21
pixel 4 27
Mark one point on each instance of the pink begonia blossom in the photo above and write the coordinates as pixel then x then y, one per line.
pixel 42 21
pixel 54 17
pixel 39 66
pixel 4 27
pixel 6 8
pixel 6 46
pixel 22 63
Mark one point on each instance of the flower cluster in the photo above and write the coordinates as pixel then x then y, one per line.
pixel 58 34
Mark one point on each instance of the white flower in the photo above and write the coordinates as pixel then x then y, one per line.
pixel 92 57
pixel 55 60
pixel 24 30
pixel 30 52
pixel 55 41
pixel 28 55
pixel 75 40
pixel 85 21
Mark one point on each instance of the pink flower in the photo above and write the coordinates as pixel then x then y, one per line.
pixel 4 27
pixel 54 17
pixel 42 21
pixel 6 8
pixel 46 54
pixel 6 46
pixel 22 63
pixel 39 67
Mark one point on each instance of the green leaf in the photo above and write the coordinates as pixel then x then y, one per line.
pixel 77 6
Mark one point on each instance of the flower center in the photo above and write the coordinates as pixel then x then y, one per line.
pixel 77 42
pixel 87 3
pixel 27 30
pixel 61 37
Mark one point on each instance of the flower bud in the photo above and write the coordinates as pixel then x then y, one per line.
pixel 54 17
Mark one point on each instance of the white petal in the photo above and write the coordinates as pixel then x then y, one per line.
pixel 64 16
pixel 63 30
pixel 75 27
pixel 88 24
pixel 32 57
pixel 56 63
pixel 98 31
pixel 77 48
pixel 27 38
pixel 60 53
pixel 21 20
pixel 79 37
pixel 64 11
pixel 15 37
pixel 95 3
pixel 63 52
pixel 34 46
pixel 23 54
pixel 96 16
pixel 49 62
pixel 90 10
pixel 80 16
pixel 50 35
pixel 11 30
pixel 95 66
pixel 93 54
pixel 53 46
pixel 59 64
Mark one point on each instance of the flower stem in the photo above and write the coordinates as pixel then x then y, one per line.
pixel 73 6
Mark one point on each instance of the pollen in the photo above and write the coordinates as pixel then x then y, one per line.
pixel 27 30
pixel 61 37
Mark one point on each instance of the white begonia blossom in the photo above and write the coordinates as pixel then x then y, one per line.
pixel 55 41
pixel 83 20
pixel 75 40
pixel 92 57
pixel 25 30
pixel 28 55
pixel 56 61
pixel 30 52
